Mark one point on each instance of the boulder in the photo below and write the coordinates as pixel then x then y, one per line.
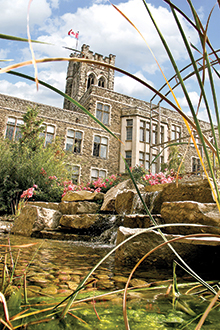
pixel 92 224
pixel 84 221
pixel 33 219
pixel 124 201
pixel 78 207
pixel 46 205
pixel 126 188
pixel 195 252
pixel 137 221
pixel 82 195
pixel 188 189
pixel 191 212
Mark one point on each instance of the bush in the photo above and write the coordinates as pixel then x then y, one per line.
pixel 26 163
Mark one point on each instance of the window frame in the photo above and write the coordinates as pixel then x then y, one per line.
pixel 45 134
pixel 128 158
pixel 197 165
pixel 75 140
pixel 103 112
pixel 93 178
pixel 72 166
pixel 175 132
pixel 129 129
pixel 99 146
pixel 15 136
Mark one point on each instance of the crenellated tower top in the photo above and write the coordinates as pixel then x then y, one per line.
pixel 80 76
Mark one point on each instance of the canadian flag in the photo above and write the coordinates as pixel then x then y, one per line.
pixel 74 34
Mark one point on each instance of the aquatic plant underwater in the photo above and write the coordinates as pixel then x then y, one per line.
pixel 202 68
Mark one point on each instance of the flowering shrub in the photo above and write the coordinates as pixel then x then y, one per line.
pixel 157 178
pixel 99 185
pixel 24 198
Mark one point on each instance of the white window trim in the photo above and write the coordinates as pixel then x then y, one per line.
pixel 107 153
pixel 110 110
pixel 99 169
pixel 78 130
pixel 15 126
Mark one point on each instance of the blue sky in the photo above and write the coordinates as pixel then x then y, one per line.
pixel 107 32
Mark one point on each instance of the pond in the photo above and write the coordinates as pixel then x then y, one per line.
pixel 55 269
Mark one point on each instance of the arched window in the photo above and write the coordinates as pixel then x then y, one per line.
pixel 101 82
pixel 91 80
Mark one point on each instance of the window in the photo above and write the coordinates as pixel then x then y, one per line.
pixel 196 137
pixel 74 141
pixel 128 157
pixel 154 165
pixel 97 173
pixel 147 161
pixel 144 159
pixel 161 134
pixel 196 165
pixel 100 146
pixel 12 129
pixel 48 134
pixel 176 132
pixel 129 129
pixel 102 113
pixel 141 158
pixel 101 82
pixel 74 171
pixel 144 131
pixel 154 136
pixel 91 80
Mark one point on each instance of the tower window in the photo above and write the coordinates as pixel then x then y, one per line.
pixel 101 82
pixel 91 80
pixel 102 113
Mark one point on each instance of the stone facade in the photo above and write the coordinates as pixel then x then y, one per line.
pixel 130 119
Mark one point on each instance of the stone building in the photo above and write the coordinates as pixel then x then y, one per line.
pixel 142 129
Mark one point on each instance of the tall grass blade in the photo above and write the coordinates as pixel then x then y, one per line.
pixel 8 37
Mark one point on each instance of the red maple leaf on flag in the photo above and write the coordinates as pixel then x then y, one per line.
pixel 74 34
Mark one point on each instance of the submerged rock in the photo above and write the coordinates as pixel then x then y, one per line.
pixel 196 252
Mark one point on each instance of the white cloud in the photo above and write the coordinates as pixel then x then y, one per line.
pixel 128 86
pixel 27 91
pixel 194 97
pixel 13 15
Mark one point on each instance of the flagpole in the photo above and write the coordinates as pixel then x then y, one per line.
pixel 77 40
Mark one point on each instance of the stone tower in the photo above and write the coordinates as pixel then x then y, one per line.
pixel 80 76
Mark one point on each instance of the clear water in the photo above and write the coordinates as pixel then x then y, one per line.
pixel 147 309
